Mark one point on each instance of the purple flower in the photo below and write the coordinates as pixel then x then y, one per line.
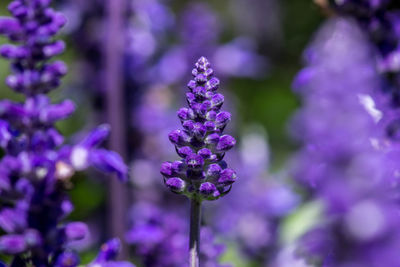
pixel 200 30
pixel 12 244
pixel 380 20
pixel 253 224
pixel 67 259
pixel 37 166
pixel 200 143
pixel 76 231
pixel 343 163
pixel 231 57
pixel 107 255
pixel 340 134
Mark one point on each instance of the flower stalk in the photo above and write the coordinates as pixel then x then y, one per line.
pixel 115 115
pixel 194 241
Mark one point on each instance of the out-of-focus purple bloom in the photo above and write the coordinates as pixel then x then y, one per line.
pixel 380 20
pixel 201 173
pixel 253 224
pixel 176 56
pixel 231 57
pixel 107 255
pixel 152 14
pixel 343 163
pixel 334 136
pixel 200 34
pixel 37 166
pixel 12 244
pixel 146 31
pixel 67 259
pixel 160 238
pixel 287 258
pixel 200 30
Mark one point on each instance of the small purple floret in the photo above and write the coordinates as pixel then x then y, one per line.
pixel 175 184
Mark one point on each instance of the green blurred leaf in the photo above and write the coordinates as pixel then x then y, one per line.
pixel 302 220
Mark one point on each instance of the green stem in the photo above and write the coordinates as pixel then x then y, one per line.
pixel 194 242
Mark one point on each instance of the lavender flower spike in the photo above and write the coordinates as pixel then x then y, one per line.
pixel 36 168
pixel 201 174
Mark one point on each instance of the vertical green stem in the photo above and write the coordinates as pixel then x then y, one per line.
pixel 194 242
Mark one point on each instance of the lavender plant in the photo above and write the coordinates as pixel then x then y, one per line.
pixel 37 167
pixel 343 162
pixel 201 174
pixel 380 21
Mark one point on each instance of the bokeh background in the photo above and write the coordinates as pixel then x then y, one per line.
pixel 256 47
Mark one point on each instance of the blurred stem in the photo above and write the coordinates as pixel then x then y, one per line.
pixel 116 114
pixel 194 242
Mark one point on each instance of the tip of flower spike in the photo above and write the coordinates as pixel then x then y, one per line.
pixel 203 61
pixel 202 65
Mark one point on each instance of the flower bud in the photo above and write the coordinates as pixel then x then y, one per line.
pixel 175 184
pixel 208 189
pixel 225 143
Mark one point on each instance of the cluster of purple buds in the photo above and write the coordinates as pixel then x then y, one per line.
pixel 202 173
pixel 36 169
pixel 33 25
